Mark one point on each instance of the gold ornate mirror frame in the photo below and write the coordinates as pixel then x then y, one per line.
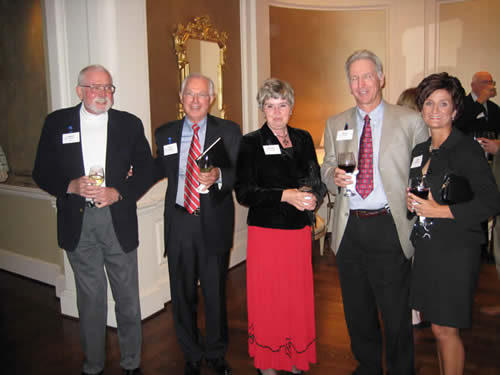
pixel 200 28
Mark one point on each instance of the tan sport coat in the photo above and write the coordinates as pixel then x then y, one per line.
pixel 402 129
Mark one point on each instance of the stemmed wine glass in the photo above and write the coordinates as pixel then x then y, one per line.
pixel 96 174
pixel 347 162
pixel 205 166
pixel 419 187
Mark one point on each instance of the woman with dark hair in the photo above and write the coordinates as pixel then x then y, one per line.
pixel 279 180
pixel 448 235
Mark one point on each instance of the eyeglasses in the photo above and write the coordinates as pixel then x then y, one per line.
pixel 191 95
pixel 268 107
pixel 488 82
pixel 97 88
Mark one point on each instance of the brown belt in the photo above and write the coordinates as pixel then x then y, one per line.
pixel 370 213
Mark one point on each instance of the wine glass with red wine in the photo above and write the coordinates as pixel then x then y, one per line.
pixel 418 186
pixel 347 162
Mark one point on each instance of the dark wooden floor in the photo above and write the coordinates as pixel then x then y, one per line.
pixel 36 339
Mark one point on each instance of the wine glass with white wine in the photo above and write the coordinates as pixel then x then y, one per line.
pixel 96 174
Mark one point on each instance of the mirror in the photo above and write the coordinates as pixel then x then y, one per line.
pixel 201 48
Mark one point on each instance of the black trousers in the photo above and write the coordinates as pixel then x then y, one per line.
pixel 375 277
pixel 188 263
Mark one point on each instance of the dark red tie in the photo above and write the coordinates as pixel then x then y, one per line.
pixel 191 195
pixel 364 181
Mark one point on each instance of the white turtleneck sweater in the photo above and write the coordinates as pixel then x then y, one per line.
pixel 94 135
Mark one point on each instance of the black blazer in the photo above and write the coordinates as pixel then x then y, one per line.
pixel 216 207
pixel 469 122
pixel 57 164
pixel 463 156
pixel 262 178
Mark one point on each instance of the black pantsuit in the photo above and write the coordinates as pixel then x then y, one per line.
pixel 374 275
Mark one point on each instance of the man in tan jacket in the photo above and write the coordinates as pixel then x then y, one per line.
pixel 370 229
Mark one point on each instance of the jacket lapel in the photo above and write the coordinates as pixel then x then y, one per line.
pixel 212 132
pixel 353 124
pixel 112 141
pixel 178 137
pixel 76 127
pixel 388 123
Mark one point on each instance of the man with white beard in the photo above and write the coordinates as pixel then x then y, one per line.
pixel 96 210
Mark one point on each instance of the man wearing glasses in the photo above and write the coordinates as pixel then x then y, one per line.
pixel 481 120
pixel 481 117
pixel 199 221
pixel 96 214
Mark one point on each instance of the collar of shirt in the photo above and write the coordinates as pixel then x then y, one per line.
pixel 376 117
pixel 92 118
pixel 188 125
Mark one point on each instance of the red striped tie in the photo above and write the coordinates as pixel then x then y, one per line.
pixel 191 196
pixel 364 181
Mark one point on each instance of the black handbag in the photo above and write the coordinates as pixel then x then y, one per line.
pixel 455 189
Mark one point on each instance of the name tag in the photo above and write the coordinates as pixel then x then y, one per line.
pixel 272 149
pixel 345 135
pixel 170 149
pixel 416 162
pixel 71 138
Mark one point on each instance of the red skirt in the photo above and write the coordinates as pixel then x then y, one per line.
pixel 280 298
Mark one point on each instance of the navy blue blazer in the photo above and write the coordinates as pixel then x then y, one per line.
pixel 57 164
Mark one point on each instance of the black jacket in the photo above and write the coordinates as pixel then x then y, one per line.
pixel 216 207
pixel 473 120
pixel 461 155
pixel 262 178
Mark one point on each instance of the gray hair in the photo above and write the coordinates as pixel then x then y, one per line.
pixel 94 67
pixel 364 54
pixel 276 89
pixel 211 86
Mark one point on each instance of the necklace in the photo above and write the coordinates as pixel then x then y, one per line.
pixel 284 138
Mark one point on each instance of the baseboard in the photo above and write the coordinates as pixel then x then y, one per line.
pixel 152 301
pixel 33 268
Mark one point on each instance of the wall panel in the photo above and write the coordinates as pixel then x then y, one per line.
pixel 23 98
pixel 468 39
pixel 309 49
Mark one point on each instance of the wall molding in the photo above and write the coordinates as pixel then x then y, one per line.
pixel 331 5
pixel 47 273
pixel 27 192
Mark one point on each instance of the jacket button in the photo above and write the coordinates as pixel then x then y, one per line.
pixel 81 209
